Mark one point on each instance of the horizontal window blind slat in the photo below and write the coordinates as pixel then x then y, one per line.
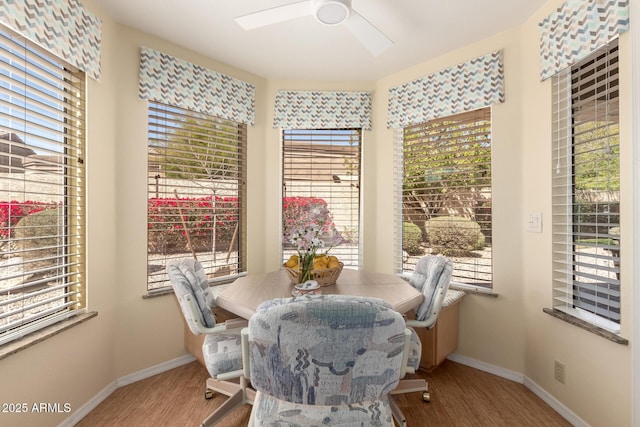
pixel 160 134
pixel 27 319
pixel 42 91
pixel 40 271
pixel 23 293
pixel 38 72
pixel 600 291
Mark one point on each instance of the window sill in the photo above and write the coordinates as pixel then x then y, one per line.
pixel 215 289
pixel 13 347
pixel 475 290
pixel 586 326
pixel 217 285
pixel 467 289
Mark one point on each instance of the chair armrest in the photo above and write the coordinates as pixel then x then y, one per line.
pixel 405 353
pixel 246 360
pixel 190 305
pixel 406 276
pixel 229 375
pixel 430 321
pixel 236 323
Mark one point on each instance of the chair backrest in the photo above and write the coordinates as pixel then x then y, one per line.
pixel 431 276
pixel 191 286
pixel 326 349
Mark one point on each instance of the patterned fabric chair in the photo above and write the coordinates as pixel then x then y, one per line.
pixel 431 276
pixel 325 360
pixel 222 347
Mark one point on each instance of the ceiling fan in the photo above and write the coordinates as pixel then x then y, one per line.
pixel 327 12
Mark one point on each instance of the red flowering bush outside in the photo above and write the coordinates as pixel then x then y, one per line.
pixel 302 212
pixel 12 212
pixel 202 216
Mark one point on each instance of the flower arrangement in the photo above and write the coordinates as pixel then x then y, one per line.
pixel 307 241
pixel 311 231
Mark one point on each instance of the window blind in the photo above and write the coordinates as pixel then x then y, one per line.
pixel 196 192
pixel 42 214
pixel 586 190
pixel 446 194
pixel 321 168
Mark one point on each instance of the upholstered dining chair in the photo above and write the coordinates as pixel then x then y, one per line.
pixel 431 276
pixel 324 360
pixel 222 348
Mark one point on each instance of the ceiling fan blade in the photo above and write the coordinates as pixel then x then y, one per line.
pixel 275 15
pixel 373 39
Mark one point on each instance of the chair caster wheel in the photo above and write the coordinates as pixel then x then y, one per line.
pixel 208 394
pixel 426 396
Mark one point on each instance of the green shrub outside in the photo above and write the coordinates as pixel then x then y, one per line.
pixel 454 236
pixel 40 230
pixel 411 238
pixel 596 217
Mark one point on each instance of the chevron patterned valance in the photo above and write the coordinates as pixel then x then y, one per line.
pixel 322 110
pixel 64 27
pixel 173 81
pixel 578 28
pixel 468 86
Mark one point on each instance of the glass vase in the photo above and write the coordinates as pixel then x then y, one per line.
pixel 306 265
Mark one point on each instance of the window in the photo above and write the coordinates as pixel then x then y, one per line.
pixel 42 235
pixel 196 193
pixel 321 183
pixel 446 194
pixel 586 190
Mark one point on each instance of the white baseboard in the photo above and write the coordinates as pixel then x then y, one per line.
pixel 486 367
pixel 82 412
pixel 565 412
pixel 554 403
pixel 154 370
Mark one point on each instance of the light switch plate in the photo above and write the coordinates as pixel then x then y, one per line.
pixel 534 222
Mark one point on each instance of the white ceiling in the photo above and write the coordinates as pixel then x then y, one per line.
pixel 305 49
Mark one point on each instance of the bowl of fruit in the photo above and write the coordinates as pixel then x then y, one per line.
pixel 326 269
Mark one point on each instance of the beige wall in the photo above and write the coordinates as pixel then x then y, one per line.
pixel 484 333
pixel 149 332
pixel 598 372
pixel 77 364
pixel 509 332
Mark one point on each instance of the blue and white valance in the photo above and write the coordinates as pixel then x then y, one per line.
pixel 578 28
pixel 474 84
pixel 173 81
pixel 63 27
pixel 322 110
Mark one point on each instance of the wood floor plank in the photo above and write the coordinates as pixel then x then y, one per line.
pixel 460 396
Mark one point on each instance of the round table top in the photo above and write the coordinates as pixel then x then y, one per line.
pixel 243 296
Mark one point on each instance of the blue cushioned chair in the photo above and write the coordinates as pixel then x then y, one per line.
pixel 325 360
pixel 222 348
pixel 431 276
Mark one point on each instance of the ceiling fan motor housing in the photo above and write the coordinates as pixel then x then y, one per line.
pixel 332 12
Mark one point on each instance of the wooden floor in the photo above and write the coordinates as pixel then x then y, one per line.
pixel 460 396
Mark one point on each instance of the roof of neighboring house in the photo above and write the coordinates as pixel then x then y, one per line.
pixel 42 162
pixel 13 152
pixel 321 162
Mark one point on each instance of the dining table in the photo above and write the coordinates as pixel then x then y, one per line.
pixel 243 296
